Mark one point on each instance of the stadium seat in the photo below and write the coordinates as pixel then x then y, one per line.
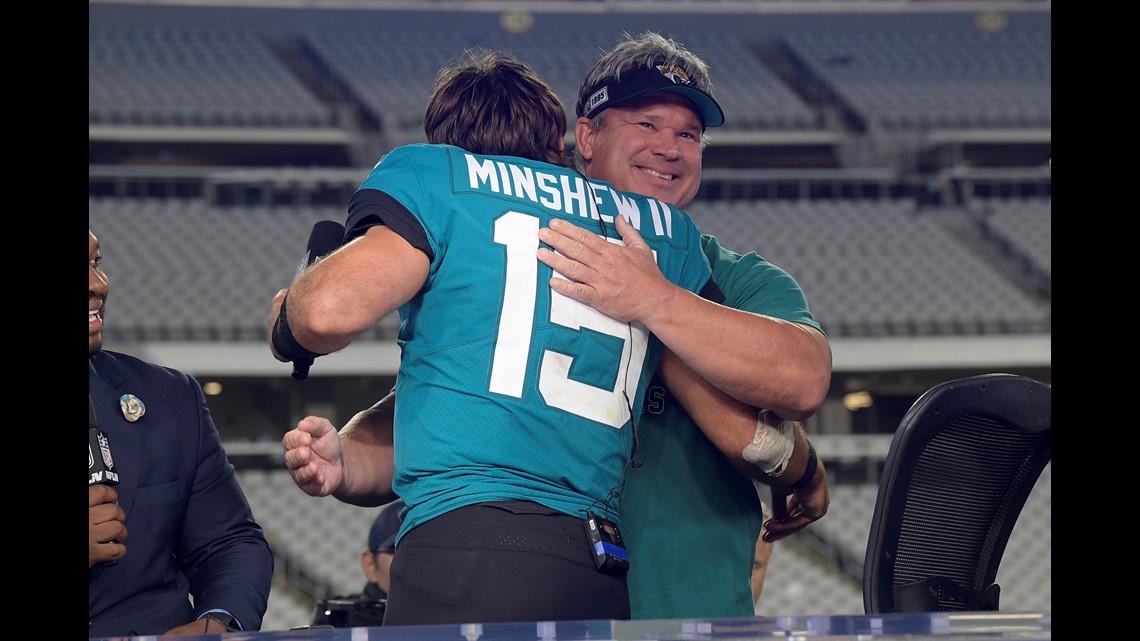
pixel 961 466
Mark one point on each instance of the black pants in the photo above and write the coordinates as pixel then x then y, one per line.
pixel 499 562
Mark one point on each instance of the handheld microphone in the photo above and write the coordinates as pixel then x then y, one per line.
pixel 99 461
pixel 326 237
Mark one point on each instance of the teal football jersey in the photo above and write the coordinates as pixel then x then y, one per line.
pixel 506 389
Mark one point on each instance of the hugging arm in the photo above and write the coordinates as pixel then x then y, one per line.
pixel 347 292
pixel 762 360
pixel 733 426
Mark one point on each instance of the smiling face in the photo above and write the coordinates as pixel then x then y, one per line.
pixel 96 295
pixel 650 146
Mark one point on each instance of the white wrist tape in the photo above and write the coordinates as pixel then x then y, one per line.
pixel 771 448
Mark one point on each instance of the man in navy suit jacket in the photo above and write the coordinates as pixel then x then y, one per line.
pixel 177 526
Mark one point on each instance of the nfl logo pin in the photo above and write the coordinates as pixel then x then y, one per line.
pixel 105 450
pixel 133 408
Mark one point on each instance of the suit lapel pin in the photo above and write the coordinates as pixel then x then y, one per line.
pixel 133 408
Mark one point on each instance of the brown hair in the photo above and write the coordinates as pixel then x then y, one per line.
pixel 495 104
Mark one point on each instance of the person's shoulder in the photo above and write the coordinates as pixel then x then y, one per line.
pixel 713 247
pixel 417 150
pixel 403 153
pixel 133 366
pixel 109 358
pixel 489 161
pixel 718 253
pixel 419 158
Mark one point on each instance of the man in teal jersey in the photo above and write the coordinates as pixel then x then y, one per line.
pixel 314 452
pixel 690 518
pixel 517 404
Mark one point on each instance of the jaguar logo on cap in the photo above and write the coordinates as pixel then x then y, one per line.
pixel 674 73
pixel 641 81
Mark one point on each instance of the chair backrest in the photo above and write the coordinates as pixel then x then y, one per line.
pixel 962 463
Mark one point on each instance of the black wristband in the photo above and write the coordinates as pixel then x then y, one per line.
pixel 809 471
pixel 283 341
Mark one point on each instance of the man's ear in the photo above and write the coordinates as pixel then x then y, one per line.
pixel 368 564
pixel 584 134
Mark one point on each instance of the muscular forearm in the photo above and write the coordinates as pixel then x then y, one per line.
pixel 366 443
pixel 762 361
pixel 349 291
pixel 325 317
pixel 728 423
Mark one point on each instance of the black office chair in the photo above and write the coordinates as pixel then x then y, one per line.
pixel 962 464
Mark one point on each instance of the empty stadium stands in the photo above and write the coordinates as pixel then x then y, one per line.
pixel 1021 228
pixel 171 76
pixel 391 77
pixel 316 536
pixel 388 78
pixel 208 272
pixel 755 98
pixel 816 82
pixel 325 536
pixel 965 79
pixel 872 267
pixel 879 267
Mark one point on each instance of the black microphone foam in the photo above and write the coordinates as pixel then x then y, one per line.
pixel 326 237
pixel 99 462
